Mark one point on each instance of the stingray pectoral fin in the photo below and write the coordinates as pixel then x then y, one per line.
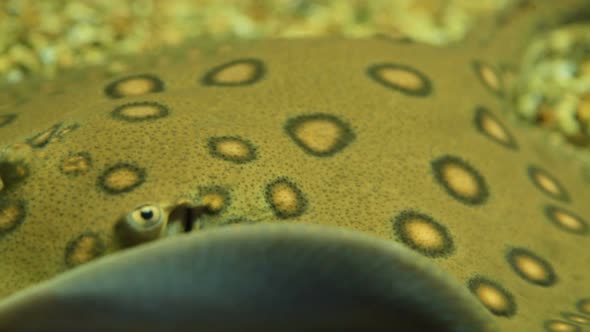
pixel 260 277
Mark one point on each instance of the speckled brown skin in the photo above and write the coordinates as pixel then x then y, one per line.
pixel 383 168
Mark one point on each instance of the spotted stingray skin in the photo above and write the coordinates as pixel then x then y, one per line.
pixel 396 140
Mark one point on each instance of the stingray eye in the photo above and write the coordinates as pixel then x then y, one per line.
pixel 146 221
pixel 146 217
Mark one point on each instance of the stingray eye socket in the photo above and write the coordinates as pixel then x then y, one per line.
pixel 146 221
pixel 142 224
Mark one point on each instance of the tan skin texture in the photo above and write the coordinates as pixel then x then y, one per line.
pixel 385 168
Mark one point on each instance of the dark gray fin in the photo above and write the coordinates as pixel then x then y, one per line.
pixel 261 277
